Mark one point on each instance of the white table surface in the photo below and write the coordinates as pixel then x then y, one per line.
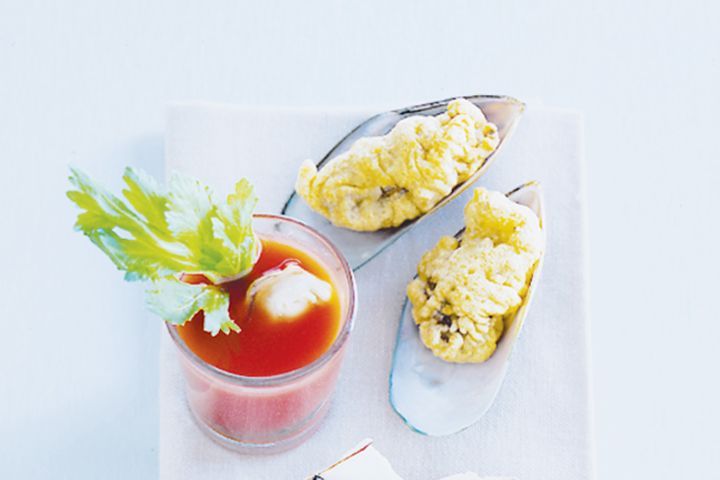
pixel 86 83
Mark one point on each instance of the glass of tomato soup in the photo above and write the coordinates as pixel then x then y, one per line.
pixel 267 387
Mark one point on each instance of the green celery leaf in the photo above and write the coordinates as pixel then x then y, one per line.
pixel 177 302
pixel 158 234
pixel 219 234
pixel 233 221
pixel 142 250
pixel 146 196
pixel 153 233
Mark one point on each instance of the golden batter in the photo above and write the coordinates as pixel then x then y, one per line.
pixel 383 181
pixel 466 289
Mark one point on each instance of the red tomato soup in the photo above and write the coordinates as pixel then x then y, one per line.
pixel 265 346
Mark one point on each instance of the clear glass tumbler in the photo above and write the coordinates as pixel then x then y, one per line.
pixel 274 413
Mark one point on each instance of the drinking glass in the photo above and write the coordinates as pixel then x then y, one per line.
pixel 278 412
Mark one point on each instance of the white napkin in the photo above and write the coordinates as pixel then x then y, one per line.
pixel 539 426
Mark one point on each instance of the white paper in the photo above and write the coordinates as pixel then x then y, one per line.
pixel 539 425
pixel 361 463
pixel 364 462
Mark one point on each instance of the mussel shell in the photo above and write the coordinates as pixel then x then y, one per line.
pixel 360 247
pixel 435 397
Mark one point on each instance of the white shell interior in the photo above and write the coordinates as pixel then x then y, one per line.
pixel 435 397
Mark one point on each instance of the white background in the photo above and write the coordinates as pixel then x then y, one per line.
pixel 86 83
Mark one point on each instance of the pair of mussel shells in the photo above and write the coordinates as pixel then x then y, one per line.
pixel 432 396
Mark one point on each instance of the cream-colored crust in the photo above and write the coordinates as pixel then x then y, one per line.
pixel 466 290
pixel 383 181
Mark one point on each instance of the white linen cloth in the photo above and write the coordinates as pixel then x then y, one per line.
pixel 539 426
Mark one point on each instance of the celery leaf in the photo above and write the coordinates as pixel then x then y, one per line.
pixel 157 234
pixel 178 302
